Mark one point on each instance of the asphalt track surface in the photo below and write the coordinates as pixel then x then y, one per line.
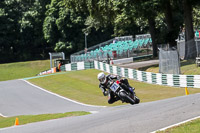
pixel 140 118
pixel 20 98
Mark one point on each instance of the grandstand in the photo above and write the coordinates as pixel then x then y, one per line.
pixel 119 47
pixel 197 34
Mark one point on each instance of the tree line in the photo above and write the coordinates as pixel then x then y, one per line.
pixel 30 29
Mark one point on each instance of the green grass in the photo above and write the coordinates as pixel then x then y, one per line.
pixel 189 127
pixel 83 85
pixel 188 67
pixel 10 121
pixel 22 69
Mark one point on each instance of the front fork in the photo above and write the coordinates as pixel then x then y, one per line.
pixel 128 93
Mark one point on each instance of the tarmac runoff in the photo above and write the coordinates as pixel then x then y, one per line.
pixel 60 96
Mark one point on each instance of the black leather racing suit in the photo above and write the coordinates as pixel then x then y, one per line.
pixel 106 91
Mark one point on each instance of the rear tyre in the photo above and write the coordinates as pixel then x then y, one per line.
pixel 137 100
pixel 126 98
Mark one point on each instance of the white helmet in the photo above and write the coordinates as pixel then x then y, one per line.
pixel 102 78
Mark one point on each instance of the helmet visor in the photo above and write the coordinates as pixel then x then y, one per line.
pixel 102 80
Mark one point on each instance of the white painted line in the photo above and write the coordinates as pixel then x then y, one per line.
pixel 94 112
pixel 3 115
pixel 176 124
pixel 60 96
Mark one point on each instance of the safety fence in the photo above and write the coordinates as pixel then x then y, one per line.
pixel 148 77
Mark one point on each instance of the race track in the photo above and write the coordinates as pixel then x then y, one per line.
pixel 20 98
pixel 141 118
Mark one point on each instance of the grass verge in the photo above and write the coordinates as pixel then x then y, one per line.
pixel 189 127
pixel 24 119
pixel 188 67
pixel 22 69
pixel 83 85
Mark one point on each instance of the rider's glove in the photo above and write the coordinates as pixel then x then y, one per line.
pixel 118 77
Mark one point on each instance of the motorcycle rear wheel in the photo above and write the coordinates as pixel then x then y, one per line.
pixel 137 100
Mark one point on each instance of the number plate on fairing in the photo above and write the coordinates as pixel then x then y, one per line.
pixel 114 87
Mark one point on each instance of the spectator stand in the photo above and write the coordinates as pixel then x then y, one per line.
pixel 117 48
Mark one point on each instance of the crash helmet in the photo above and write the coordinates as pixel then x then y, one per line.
pixel 102 78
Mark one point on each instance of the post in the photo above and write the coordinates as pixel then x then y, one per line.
pixel 50 60
pixel 63 54
pixel 86 40
pixel 186 91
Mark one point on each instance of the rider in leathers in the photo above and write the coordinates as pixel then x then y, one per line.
pixel 105 88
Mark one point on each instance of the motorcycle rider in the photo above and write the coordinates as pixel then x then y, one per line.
pixel 103 79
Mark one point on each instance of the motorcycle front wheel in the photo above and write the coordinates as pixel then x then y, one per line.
pixel 126 98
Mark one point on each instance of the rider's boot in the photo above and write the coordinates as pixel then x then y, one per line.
pixel 132 91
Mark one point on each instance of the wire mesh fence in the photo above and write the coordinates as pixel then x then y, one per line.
pixel 169 61
pixel 189 49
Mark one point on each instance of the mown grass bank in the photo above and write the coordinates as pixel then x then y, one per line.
pixel 18 70
pixel 24 119
pixel 83 86
pixel 188 67
pixel 189 127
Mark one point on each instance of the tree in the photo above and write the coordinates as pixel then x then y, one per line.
pixel 32 39
pixel 9 29
pixel 65 22
pixel 62 27
pixel 171 36
pixel 20 30
pixel 190 47
pixel 147 9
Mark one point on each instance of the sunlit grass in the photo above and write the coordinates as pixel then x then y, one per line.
pixel 83 86
pixel 188 67
pixel 24 119
pixel 18 70
pixel 189 127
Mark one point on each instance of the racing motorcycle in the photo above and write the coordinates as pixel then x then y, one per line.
pixel 128 97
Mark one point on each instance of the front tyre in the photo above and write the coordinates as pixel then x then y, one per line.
pixel 126 98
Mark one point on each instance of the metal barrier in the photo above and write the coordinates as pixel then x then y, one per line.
pixel 148 77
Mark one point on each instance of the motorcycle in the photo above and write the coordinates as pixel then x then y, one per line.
pixel 124 96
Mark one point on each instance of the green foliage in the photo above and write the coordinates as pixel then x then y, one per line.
pixel 62 26
pixel 31 29
pixel 196 12
pixel 20 30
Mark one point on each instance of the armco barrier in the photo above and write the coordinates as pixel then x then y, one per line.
pixel 148 77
